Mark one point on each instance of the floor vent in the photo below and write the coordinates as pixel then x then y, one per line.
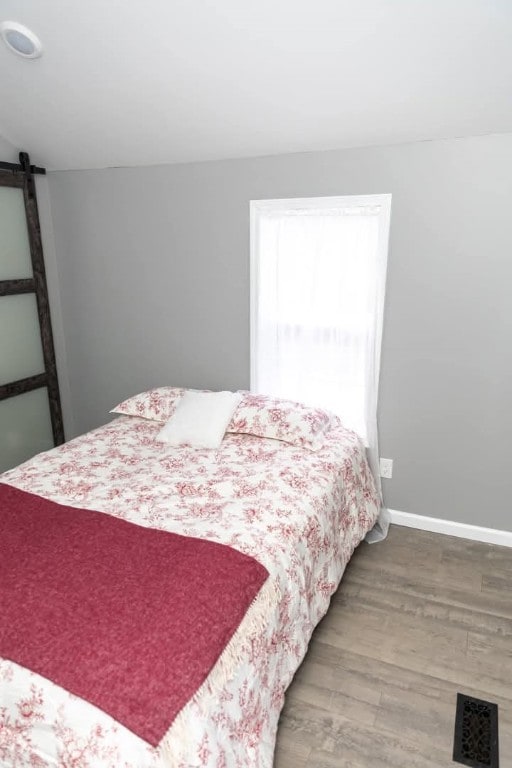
pixel 476 733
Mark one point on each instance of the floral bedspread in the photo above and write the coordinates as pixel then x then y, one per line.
pixel 300 513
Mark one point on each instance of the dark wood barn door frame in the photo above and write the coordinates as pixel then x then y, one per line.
pixel 22 177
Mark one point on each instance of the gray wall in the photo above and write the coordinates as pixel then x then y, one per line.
pixel 154 275
pixel 8 153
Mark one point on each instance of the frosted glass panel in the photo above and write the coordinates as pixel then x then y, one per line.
pixel 25 427
pixel 21 352
pixel 15 259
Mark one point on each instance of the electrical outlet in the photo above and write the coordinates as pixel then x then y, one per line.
pixel 386 468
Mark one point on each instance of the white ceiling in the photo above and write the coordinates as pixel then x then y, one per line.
pixel 162 81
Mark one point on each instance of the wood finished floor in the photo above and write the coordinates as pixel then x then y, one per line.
pixel 416 619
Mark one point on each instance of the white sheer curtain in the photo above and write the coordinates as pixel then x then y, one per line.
pixel 318 272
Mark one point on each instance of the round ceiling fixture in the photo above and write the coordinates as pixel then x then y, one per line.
pixel 21 40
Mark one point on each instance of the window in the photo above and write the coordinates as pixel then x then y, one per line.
pixel 318 270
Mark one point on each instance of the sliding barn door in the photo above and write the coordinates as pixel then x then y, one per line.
pixel 30 414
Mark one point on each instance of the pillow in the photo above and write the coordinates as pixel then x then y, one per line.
pixel 155 404
pixel 258 415
pixel 200 419
pixel 284 420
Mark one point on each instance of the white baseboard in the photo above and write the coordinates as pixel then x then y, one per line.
pixel 452 528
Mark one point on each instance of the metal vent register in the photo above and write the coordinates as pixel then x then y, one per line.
pixel 476 733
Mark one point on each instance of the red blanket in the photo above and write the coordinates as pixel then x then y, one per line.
pixel 129 618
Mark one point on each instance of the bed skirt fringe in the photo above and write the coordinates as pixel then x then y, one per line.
pixel 179 739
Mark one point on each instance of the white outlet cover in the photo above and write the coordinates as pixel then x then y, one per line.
pixel 386 468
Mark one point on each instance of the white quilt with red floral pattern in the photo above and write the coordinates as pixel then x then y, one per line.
pixel 300 513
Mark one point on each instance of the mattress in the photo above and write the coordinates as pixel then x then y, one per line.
pixel 299 513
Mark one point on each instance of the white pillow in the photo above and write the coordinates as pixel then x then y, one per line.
pixel 200 419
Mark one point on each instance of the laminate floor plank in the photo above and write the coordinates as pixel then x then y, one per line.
pixel 495 584
pixel 291 751
pixel 336 678
pixel 417 618
pixel 455 608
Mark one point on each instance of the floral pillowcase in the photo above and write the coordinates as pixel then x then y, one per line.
pixel 259 415
pixel 285 420
pixel 155 404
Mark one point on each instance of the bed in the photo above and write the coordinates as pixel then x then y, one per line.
pixel 298 512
